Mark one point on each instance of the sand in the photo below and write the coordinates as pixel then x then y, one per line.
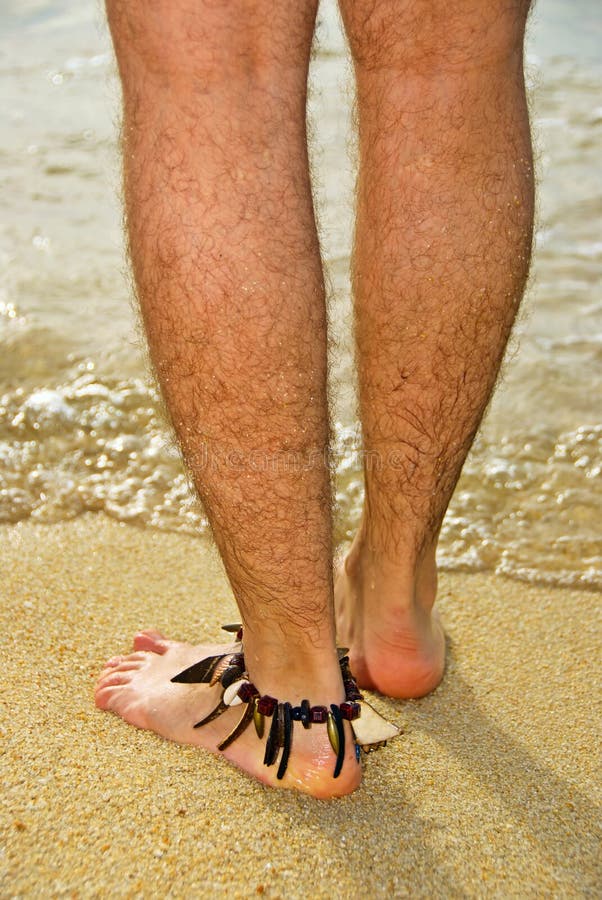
pixel 490 791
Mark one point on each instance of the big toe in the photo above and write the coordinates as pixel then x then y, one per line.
pixel 109 687
pixel 151 640
pixel 102 696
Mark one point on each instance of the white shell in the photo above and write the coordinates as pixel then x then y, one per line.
pixel 230 697
pixel 371 728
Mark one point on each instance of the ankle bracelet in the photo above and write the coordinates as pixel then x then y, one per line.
pixel 370 730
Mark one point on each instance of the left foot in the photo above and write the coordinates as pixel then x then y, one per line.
pixel 138 688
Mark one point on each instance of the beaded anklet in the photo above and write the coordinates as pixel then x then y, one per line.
pixel 370 730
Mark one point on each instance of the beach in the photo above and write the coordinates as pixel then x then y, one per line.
pixel 491 790
pixel 82 428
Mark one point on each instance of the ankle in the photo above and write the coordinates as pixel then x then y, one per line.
pixel 406 578
pixel 293 671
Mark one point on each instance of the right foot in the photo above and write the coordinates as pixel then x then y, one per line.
pixel 138 688
pixel 395 638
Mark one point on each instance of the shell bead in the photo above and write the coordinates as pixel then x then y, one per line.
pixel 369 729
pixel 231 697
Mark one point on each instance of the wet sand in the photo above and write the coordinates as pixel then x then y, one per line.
pixel 490 791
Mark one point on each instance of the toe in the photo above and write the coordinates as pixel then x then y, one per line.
pixel 130 663
pixel 121 663
pixel 116 661
pixel 101 697
pixel 113 661
pixel 110 679
pixel 106 697
pixel 152 640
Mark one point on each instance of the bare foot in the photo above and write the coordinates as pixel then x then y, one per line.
pixel 396 640
pixel 138 688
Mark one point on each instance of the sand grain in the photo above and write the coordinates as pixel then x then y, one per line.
pixel 490 792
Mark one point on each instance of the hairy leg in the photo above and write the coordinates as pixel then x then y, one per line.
pixel 226 262
pixel 442 247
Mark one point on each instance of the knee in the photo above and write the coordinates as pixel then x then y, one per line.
pixel 210 41
pixel 170 37
pixel 427 36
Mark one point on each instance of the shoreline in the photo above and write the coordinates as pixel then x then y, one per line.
pixel 490 791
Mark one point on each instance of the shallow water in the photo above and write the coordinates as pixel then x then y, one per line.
pixel 81 426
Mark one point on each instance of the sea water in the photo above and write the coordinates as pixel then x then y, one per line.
pixel 81 423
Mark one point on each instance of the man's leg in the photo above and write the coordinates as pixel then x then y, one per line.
pixel 444 225
pixel 226 262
